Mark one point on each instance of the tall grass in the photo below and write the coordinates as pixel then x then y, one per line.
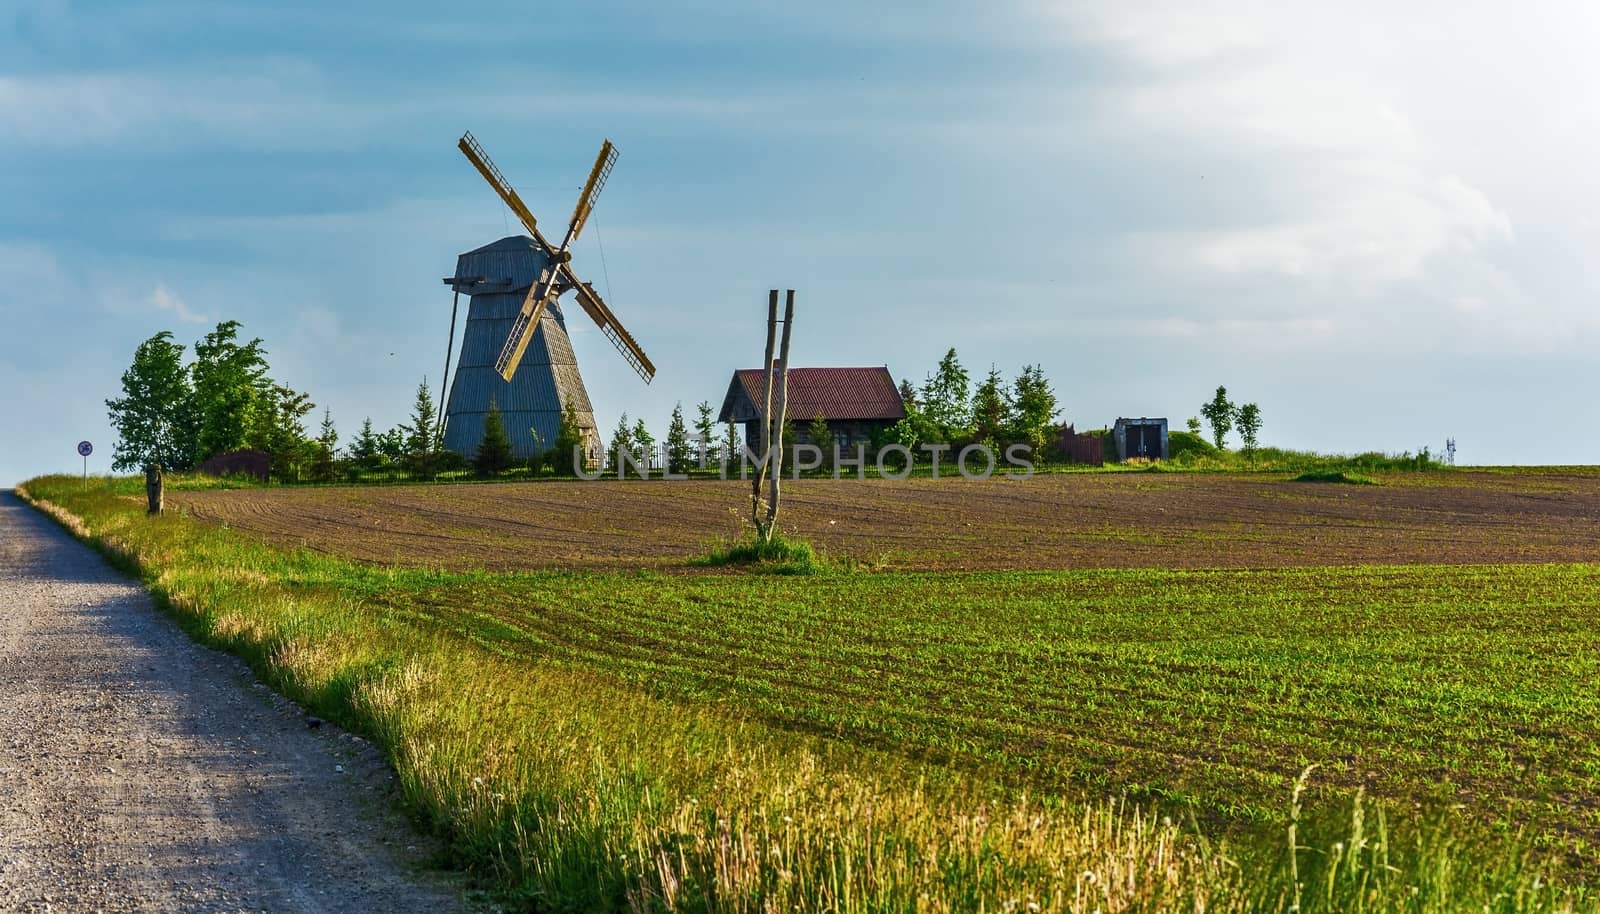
pixel 573 791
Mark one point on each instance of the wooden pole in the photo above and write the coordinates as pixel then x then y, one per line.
pixel 779 409
pixel 449 349
pixel 766 417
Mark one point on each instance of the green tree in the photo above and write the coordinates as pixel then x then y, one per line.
pixel 230 382
pixel 706 429
pixel 1248 420
pixel 494 448
pixel 679 454
pixel 1033 409
pixel 945 399
pixel 277 426
pixel 908 393
pixel 989 408
pixel 392 444
pixel 731 453
pixel 569 436
pixel 822 437
pixel 154 417
pixel 644 443
pixel 621 441
pixel 323 467
pixel 367 449
pixel 421 438
pixel 1219 412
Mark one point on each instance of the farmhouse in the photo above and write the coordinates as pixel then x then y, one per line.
pixel 857 402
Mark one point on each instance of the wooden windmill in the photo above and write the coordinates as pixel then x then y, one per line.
pixel 515 351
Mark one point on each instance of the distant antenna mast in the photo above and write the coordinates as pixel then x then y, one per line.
pixel 1450 451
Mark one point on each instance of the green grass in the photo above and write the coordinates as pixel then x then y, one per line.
pixel 907 742
pixel 777 554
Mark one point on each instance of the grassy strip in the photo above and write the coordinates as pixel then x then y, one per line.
pixel 574 790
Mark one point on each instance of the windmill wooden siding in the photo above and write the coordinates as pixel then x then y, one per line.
pixel 857 402
pixel 497 277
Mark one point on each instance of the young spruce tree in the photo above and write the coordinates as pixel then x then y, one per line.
pixel 679 454
pixel 494 448
pixel 567 455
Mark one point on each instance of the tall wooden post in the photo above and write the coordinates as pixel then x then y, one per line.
pixel 779 409
pixel 766 419
pixel 153 486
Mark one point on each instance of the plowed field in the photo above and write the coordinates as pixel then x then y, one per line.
pixel 1101 520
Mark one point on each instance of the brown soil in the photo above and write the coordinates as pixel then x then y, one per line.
pixel 1110 520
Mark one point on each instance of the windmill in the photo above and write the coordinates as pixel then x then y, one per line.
pixel 515 351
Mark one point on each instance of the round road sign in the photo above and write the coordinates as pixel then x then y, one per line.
pixel 85 449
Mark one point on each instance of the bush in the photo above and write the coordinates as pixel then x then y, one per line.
pixel 776 555
pixel 1180 443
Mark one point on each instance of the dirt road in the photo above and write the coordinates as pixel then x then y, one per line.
pixel 142 772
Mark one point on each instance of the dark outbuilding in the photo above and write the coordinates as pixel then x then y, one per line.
pixel 1143 437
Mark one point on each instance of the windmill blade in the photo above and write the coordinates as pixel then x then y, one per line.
pixel 522 329
pixel 591 191
pixel 610 326
pixel 480 160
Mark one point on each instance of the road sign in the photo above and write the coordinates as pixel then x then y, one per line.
pixel 85 449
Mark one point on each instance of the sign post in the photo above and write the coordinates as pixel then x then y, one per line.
pixel 84 450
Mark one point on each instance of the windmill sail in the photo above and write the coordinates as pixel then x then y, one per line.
pixel 549 287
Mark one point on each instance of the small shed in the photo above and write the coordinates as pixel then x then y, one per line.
pixel 856 402
pixel 1143 437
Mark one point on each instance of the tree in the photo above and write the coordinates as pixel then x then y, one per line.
pixel 989 407
pixel 230 381
pixel 367 449
pixel 822 437
pixel 421 444
pixel 494 448
pixel 327 439
pixel 392 444
pixel 1033 408
pixel 908 393
pixel 1248 421
pixel 154 417
pixel 1219 412
pixel 945 398
pixel 277 426
pixel 705 428
pixel 731 454
pixel 621 441
pixel 679 454
pixel 1194 425
pixel 569 437
pixel 644 443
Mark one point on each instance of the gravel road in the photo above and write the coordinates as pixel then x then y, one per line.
pixel 140 771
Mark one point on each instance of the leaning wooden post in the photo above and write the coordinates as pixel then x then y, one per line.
pixel 779 409
pixel 153 485
pixel 766 418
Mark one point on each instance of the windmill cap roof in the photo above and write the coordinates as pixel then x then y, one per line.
pixel 517 259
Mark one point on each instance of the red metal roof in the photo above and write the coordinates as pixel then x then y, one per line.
pixel 838 393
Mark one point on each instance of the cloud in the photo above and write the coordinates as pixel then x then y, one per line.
pixel 1354 173
pixel 165 300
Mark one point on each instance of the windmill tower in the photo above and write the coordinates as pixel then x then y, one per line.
pixel 515 351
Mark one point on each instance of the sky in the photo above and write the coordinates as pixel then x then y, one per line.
pixel 1377 221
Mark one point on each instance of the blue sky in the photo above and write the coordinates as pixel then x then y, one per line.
pixel 1380 225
